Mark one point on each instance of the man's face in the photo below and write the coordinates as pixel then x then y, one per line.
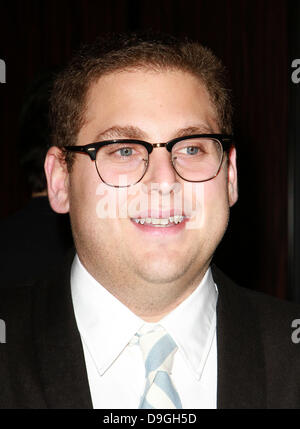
pixel 156 107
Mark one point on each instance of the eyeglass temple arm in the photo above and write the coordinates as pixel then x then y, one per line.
pixel 91 151
pixel 227 143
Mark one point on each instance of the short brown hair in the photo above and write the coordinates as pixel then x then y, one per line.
pixel 115 52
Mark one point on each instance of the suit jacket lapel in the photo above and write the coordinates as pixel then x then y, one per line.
pixel 58 344
pixel 241 363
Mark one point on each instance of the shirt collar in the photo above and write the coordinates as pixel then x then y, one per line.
pixel 191 324
pixel 101 318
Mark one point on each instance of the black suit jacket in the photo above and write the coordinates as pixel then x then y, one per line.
pixel 42 363
pixel 33 239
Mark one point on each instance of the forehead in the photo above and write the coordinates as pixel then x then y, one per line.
pixel 143 98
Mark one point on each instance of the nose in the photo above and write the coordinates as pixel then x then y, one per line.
pixel 160 171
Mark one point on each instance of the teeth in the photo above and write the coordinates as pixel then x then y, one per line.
pixel 160 221
pixel 155 221
pixel 177 219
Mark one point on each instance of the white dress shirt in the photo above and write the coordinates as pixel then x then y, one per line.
pixel 115 367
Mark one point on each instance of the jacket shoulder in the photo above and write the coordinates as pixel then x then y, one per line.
pixel 266 306
pixel 33 314
pixel 269 330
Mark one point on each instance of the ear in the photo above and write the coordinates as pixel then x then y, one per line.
pixel 57 179
pixel 232 178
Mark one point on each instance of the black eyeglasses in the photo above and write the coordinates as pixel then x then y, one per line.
pixel 124 162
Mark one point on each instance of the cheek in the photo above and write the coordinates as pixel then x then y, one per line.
pixel 212 206
pixel 84 181
pixel 216 195
pixel 83 194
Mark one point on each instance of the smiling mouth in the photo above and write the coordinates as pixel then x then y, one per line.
pixel 159 222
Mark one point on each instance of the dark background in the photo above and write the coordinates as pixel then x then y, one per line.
pixel 256 41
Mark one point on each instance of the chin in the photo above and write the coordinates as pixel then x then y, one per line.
pixel 162 270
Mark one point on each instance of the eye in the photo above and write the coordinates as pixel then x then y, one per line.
pixel 125 151
pixel 191 150
pixel 121 151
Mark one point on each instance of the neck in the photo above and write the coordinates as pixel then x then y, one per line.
pixel 157 304
pixel 150 301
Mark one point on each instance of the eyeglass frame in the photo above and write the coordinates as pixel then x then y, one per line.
pixel 91 149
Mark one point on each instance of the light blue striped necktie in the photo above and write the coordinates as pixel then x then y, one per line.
pixel 158 349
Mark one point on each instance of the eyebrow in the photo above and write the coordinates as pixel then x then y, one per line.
pixel 198 129
pixel 128 132
pixel 132 132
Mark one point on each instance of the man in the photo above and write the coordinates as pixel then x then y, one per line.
pixel 144 163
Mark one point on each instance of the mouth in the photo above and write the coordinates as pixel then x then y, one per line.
pixel 160 222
